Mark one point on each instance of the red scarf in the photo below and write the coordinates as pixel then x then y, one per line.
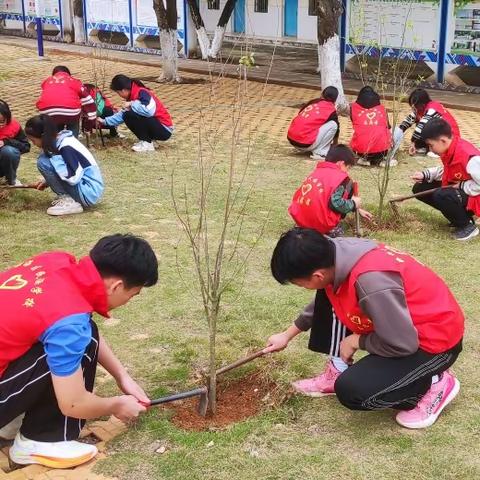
pixel 10 130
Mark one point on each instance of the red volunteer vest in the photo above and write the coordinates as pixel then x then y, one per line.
pixel 446 115
pixel 435 313
pixel 455 161
pixel 11 130
pixel 40 292
pixel 304 127
pixel 310 204
pixel 161 113
pixel 370 129
pixel 60 90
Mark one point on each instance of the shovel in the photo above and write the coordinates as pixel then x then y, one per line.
pixel 200 392
pixel 358 228
pixel 396 200
pixel 12 187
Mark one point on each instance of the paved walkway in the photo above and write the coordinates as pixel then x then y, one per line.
pixel 292 66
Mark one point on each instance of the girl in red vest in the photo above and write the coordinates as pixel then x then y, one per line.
pixel 457 180
pixel 104 107
pixel 64 98
pixel 316 126
pixel 398 310
pixel 371 138
pixel 13 143
pixel 143 113
pixel 424 109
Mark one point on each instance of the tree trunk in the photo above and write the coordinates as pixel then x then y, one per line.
pixel 212 386
pixel 328 15
pixel 220 28
pixel 80 36
pixel 203 40
pixel 167 24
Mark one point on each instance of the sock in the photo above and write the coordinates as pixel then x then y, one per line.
pixel 339 364
pixel 435 379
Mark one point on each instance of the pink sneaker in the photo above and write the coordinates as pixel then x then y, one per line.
pixel 319 386
pixel 432 403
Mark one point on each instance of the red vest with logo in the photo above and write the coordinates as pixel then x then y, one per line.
pixel 60 90
pixel 435 313
pixel 304 127
pixel 446 115
pixel 455 161
pixel 370 129
pixel 42 291
pixel 161 113
pixel 310 204
pixel 11 130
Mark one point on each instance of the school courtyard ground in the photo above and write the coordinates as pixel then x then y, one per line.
pixel 161 335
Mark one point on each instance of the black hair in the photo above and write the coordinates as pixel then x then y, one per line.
pixel 330 94
pixel 128 257
pixel 436 128
pixel 340 153
pixel 419 97
pixel 368 97
pixel 300 252
pixel 121 82
pixel 42 126
pixel 60 68
pixel 90 86
pixel 5 111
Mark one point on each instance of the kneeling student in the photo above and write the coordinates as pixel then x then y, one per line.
pixel 459 199
pixel 398 310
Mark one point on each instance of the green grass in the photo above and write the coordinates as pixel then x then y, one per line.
pixel 162 336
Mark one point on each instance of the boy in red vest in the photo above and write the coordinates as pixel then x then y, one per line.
pixel 143 113
pixel 457 180
pixel 50 346
pixel 372 137
pixel 104 107
pixel 63 98
pixel 316 126
pixel 398 311
pixel 424 109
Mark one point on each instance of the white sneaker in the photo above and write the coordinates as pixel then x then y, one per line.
pixel 64 205
pixel 319 158
pixel 51 454
pixel 393 163
pixel 363 162
pixel 432 155
pixel 10 430
pixel 143 146
pixel 18 183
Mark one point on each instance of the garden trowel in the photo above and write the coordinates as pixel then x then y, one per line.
pixel 200 392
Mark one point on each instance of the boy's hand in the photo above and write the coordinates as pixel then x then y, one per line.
pixel 357 201
pixel 365 214
pixel 412 150
pixel 348 347
pixel 41 185
pixel 417 177
pixel 130 387
pixel 127 408
pixel 277 342
pixel 2 143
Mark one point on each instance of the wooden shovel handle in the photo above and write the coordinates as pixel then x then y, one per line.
pixel 241 362
pixel 416 195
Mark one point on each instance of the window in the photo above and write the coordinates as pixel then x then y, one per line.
pixel 261 6
pixel 213 4
pixel 312 8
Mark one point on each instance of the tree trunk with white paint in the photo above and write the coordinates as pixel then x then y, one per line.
pixel 220 28
pixel 203 40
pixel 167 24
pixel 80 36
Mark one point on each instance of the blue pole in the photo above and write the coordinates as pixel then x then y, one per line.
pixel 61 17
pixel 38 21
pixel 442 40
pixel 343 35
pixel 130 21
pixel 85 20
pixel 23 18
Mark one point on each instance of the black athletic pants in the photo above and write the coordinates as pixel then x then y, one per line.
pixel 376 383
pixel 26 387
pixel 146 128
pixel 452 202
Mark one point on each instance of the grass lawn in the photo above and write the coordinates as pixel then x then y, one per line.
pixel 162 337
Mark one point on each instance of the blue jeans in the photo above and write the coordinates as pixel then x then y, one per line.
pixel 9 161
pixel 59 186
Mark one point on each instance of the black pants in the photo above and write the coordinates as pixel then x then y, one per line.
pixel 374 158
pixel 108 112
pixel 9 161
pixel 452 202
pixel 146 128
pixel 26 387
pixel 327 331
pixel 376 383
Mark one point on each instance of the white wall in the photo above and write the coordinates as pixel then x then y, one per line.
pixel 268 24
pixel 307 25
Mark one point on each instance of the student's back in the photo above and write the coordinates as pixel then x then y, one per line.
pixel 60 90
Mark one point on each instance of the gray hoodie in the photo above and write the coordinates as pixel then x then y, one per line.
pixel 381 297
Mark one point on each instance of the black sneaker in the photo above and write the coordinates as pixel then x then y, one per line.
pixel 466 233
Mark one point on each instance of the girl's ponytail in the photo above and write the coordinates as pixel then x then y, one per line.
pixel 42 126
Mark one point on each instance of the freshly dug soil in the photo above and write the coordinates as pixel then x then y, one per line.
pixel 236 400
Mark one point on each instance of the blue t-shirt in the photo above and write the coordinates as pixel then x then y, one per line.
pixel 65 343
